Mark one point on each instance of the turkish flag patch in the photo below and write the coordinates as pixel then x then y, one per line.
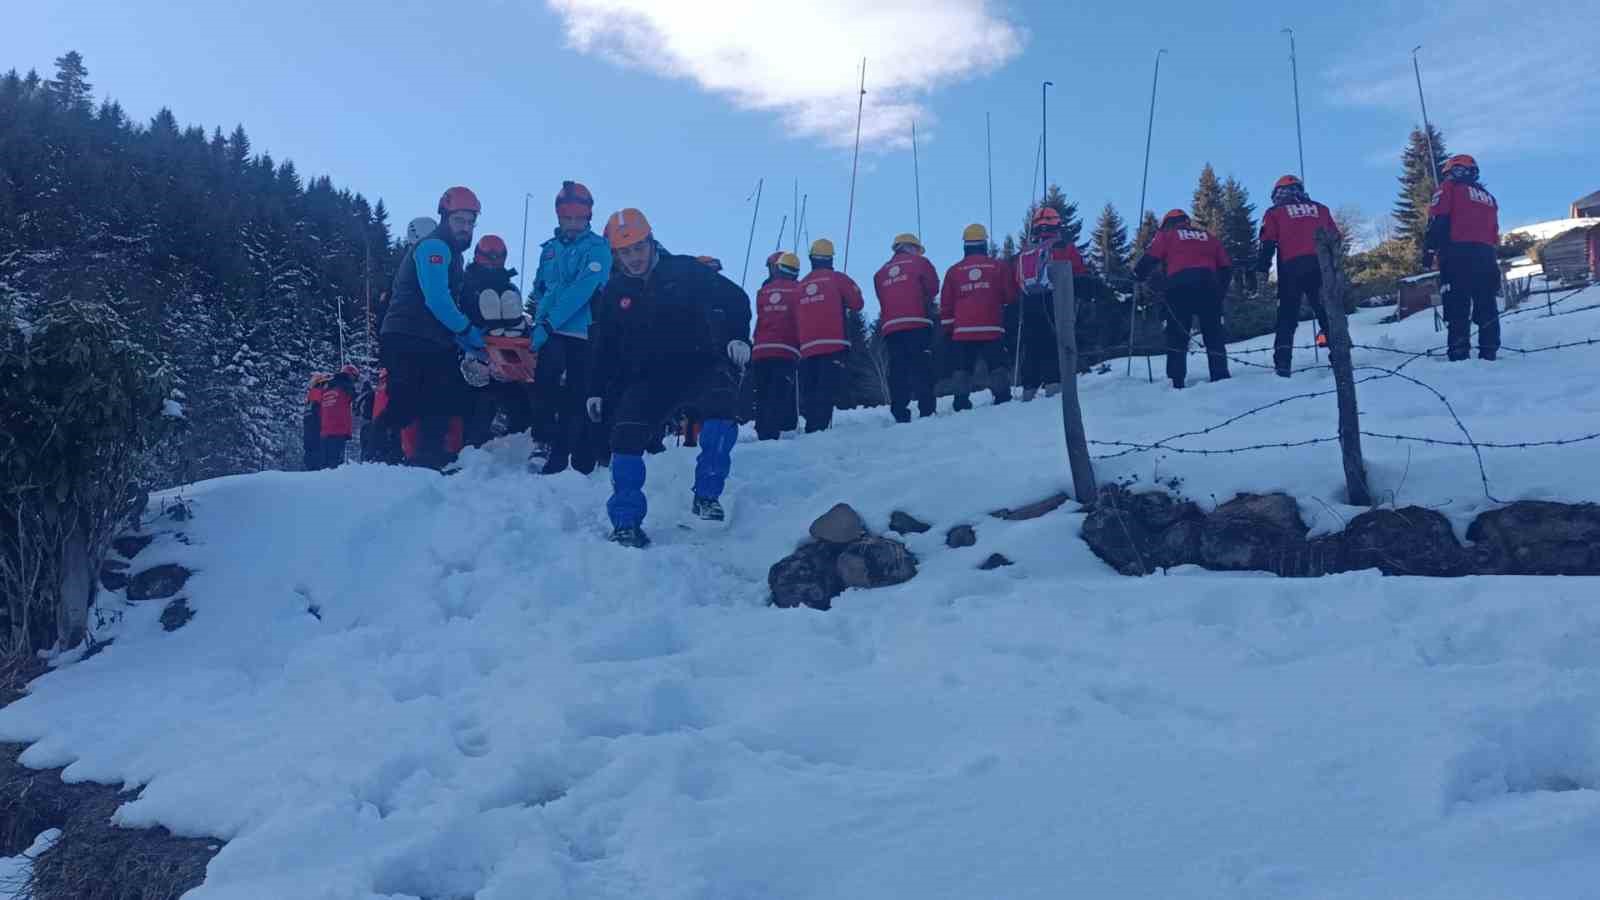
pixel 625 303
pixel 436 260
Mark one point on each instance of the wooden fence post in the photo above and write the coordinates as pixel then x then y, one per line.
pixel 1334 289
pixel 1066 302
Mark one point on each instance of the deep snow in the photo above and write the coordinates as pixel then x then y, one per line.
pixel 491 701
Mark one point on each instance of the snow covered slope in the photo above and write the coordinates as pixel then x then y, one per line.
pixel 491 702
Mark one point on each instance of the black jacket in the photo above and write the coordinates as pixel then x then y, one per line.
pixel 476 279
pixel 672 322
pixel 408 312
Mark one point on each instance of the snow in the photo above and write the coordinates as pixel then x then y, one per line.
pixel 400 685
pixel 1543 231
pixel 16 870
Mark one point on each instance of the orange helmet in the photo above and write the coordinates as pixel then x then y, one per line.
pixel 491 251
pixel 574 200
pixel 1173 217
pixel 1046 218
pixel 459 199
pixel 1288 181
pixel 626 228
pixel 1286 187
pixel 1460 167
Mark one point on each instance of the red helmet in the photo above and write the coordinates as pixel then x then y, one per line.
pixel 1173 217
pixel 773 257
pixel 1288 181
pixel 491 252
pixel 459 199
pixel 627 227
pixel 1460 167
pixel 574 200
pixel 1286 187
pixel 1046 218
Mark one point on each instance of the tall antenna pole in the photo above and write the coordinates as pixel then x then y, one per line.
pixel 1044 139
pixel 988 152
pixel 1427 129
pixel 800 223
pixel 850 217
pixel 1144 183
pixel 366 247
pixel 916 175
pixel 1294 69
pixel 796 248
pixel 750 245
pixel 782 226
pixel 522 266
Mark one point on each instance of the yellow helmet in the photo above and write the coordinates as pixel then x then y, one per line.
pixel 975 234
pixel 789 263
pixel 904 238
pixel 822 247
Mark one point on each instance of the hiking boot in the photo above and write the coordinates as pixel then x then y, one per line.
pixel 1028 394
pixel 1177 384
pixel 1283 371
pixel 1052 389
pixel 1488 355
pixel 554 466
pixel 709 509
pixel 630 537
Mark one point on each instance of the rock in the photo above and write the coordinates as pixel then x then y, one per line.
pixel 905 523
pixel 1032 510
pixel 875 562
pixel 113 574
pixel 1408 541
pixel 1252 532
pixel 961 536
pixel 995 561
pixel 1136 534
pixel 1535 537
pixel 158 583
pixel 839 525
pixel 176 615
pixel 130 545
pixel 806 577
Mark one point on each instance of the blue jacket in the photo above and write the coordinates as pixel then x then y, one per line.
pixel 423 303
pixel 570 274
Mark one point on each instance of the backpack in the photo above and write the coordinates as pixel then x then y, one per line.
pixel 1033 269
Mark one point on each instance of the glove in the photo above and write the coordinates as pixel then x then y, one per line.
pixel 475 372
pixel 739 352
pixel 471 342
pixel 1427 260
pixel 595 407
pixel 540 335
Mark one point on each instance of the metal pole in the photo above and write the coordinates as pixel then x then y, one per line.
pixel 796 217
pixel 1044 140
pixel 988 151
pixel 1144 183
pixel 1427 129
pixel 850 217
pixel 782 226
pixel 1294 69
pixel 750 245
pixel 800 223
pixel 916 175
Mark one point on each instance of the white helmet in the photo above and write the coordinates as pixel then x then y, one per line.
pixel 420 227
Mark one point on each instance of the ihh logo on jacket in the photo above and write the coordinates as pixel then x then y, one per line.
pixel 1480 196
pixel 1301 210
pixel 974 274
pixel 1190 234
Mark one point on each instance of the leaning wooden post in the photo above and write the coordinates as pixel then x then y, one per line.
pixel 1071 413
pixel 1334 289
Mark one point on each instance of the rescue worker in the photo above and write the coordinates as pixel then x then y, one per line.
pixel 573 267
pixel 826 296
pixel 908 287
pixel 338 421
pixel 424 331
pixel 1039 363
pixel 1463 231
pixel 975 294
pixel 1197 271
pixel 491 301
pixel 311 423
pixel 1289 230
pixel 777 349
pixel 668 334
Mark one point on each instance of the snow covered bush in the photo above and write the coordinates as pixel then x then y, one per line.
pixel 79 404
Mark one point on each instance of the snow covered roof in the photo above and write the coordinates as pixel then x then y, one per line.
pixel 1543 231
pixel 1587 200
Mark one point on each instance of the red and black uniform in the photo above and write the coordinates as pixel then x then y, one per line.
pixel 1197 272
pixel 825 295
pixel 775 357
pixel 1463 229
pixel 1036 331
pixel 1289 230
pixel 338 420
pixel 311 423
pixel 976 292
pixel 907 287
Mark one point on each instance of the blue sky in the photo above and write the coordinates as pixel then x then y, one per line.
pixel 678 108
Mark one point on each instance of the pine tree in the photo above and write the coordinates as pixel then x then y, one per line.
pixel 1108 245
pixel 1148 226
pixel 1209 211
pixel 71 89
pixel 1417 184
pixel 1238 224
pixel 238 150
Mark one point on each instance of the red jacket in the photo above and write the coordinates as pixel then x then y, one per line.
pixel 1292 229
pixel 976 291
pixel 824 296
pixel 337 398
pixel 777 328
pixel 906 287
pixel 1188 247
pixel 1462 214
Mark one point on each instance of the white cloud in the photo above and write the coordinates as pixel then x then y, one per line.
pixel 802 60
pixel 1500 80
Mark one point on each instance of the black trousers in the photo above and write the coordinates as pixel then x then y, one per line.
pixel 311 436
pixel 707 388
pixel 1471 279
pixel 1040 365
pixel 425 387
pixel 820 379
pixel 1299 281
pixel 910 372
pixel 773 382
pixel 1186 303
pixel 562 388
pixel 993 355
pixel 333 452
